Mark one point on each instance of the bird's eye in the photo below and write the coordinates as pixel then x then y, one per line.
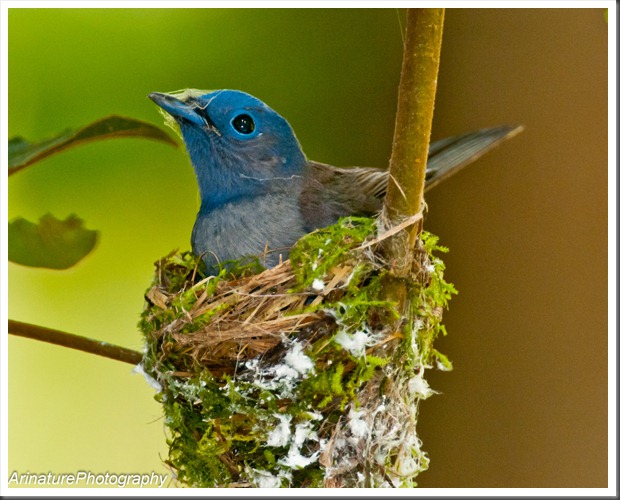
pixel 243 124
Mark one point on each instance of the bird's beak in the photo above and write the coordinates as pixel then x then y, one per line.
pixel 176 108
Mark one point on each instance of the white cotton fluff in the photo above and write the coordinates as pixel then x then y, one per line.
pixel 139 369
pixel 357 426
pixel 318 285
pixel 303 432
pixel 264 479
pixel 281 434
pixel 355 343
pixel 295 460
pixel 298 361
pixel 419 386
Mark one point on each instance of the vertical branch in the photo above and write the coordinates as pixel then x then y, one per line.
pixel 414 116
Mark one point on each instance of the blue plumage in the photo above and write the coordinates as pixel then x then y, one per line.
pixel 259 193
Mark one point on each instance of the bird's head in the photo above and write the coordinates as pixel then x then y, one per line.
pixel 238 145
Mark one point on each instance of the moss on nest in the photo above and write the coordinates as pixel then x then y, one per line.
pixel 301 375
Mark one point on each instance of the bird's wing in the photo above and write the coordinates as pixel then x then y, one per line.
pixel 371 182
pixel 330 192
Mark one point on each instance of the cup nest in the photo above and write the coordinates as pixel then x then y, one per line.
pixel 302 375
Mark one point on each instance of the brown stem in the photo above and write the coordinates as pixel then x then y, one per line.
pixel 414 116
pixel 74 342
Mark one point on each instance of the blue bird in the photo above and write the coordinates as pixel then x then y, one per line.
pixel 259 193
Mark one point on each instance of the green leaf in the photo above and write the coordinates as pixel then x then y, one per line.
pixel 51 243
pixel 23 153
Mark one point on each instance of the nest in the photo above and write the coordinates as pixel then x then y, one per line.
pixel 300 375
pixel 249 316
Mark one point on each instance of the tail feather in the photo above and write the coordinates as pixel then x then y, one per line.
pixel 447 156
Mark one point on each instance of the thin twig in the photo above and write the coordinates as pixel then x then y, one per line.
pixel 393 230
pixel 73 341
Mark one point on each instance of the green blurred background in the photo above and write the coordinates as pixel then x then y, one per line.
pixel 526 405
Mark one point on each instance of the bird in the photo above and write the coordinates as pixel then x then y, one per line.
pixel 259 193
